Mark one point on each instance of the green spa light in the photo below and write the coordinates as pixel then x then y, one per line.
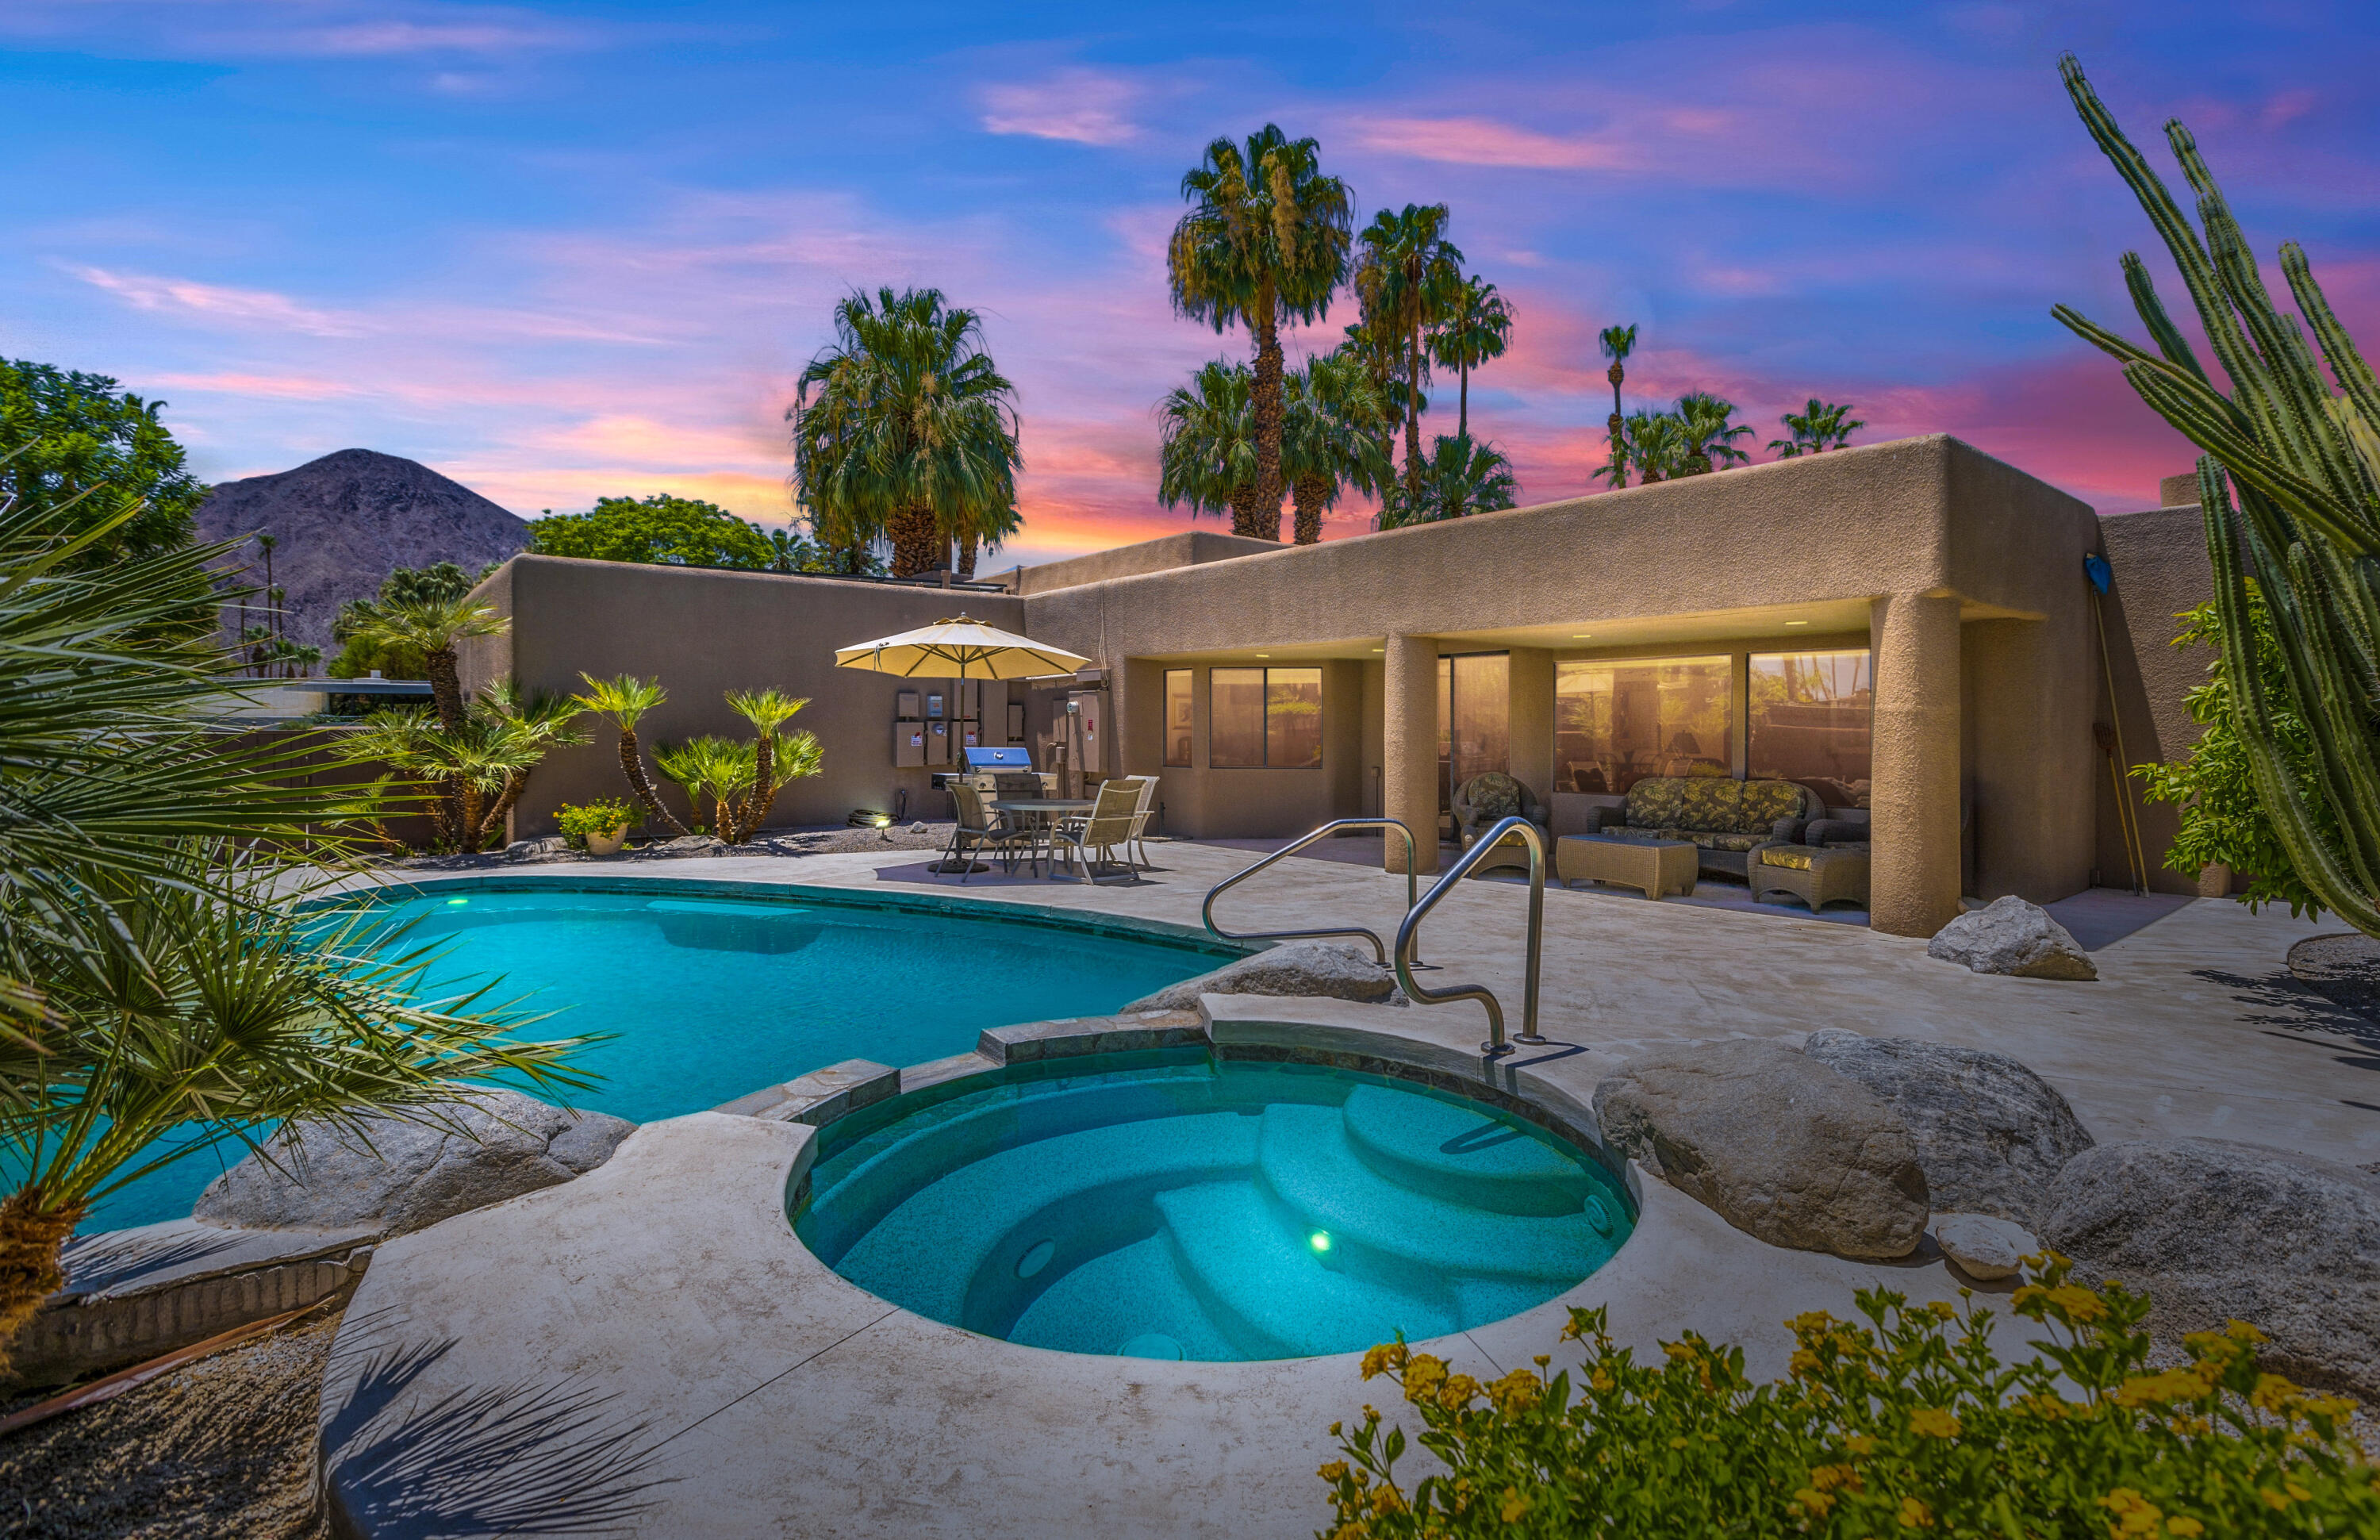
pixel 1319 1240
pixel 455 901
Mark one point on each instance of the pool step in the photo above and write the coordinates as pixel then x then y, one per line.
pixel 1461 1154
pixel 1132 1293
pixel 1267 1288
pixel 1309 1161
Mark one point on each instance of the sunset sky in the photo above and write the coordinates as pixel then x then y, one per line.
pixel 565 251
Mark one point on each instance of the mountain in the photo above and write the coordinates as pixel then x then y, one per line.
pixel 346 521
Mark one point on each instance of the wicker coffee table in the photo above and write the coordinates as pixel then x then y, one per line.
pixel 1653 866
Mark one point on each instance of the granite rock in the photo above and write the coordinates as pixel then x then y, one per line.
pixel 1991 1135
pixel 1292 968
pixel 1776 1144
pixel 404 1174
pixel 2009 936
pixel 1984 1247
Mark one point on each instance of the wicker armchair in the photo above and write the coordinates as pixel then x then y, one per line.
pixel 1481 801
pixel 1829 865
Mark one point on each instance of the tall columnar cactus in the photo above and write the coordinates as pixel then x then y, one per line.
pixel 2304 463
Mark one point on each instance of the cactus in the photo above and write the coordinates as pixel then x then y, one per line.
pixel 2304 463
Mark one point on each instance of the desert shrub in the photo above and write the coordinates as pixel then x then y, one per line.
pixel 604 816
pixel 1908 1424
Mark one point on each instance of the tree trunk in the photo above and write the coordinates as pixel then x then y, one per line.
pixel 967 557
pixel 495 818
pixel 1413 417
pixel 1463 403
pixel 1265 394
pixel 1618 431
pixel 917 544
pixel 1310 492
pixel 30 1239
pixel 632 765
pixel 445 686
pixel 757 802
pixel 1245 518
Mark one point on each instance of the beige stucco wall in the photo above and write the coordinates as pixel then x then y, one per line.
pixel 2161 568
pixel 1187 549
pixel 702 634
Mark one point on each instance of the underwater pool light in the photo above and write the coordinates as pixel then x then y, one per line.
pixel 455 901
pixel 1319 1240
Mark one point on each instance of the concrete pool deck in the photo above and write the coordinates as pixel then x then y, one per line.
pixel 649 1350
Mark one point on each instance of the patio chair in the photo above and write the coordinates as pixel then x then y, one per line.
pixel 1141 814
pixel 1110 825
pixel 978 829
pixel 1483 799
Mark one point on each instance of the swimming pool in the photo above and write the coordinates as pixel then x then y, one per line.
pixel 1175 1205
pixel 717 990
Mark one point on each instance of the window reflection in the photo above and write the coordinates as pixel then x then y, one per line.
pixel 1617 722
pixel 1257 717
pixel 1236 717
pixel 1473 720
pixel 1812 716
pixel 1177 716
pixel 1293 718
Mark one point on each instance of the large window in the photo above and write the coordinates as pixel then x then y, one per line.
pixel 1177 716
pixel 1812 716
pixel 1474 719
pixel 1261 717
pixel 1617 722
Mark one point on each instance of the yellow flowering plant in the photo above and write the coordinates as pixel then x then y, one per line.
pixel 1908 1425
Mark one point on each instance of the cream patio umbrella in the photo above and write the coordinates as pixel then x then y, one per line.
pixel 962 649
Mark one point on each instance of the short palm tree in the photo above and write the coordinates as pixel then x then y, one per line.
pixel 1334 437
pixel 1409 277
pixel 433 627
pixel 1265 241
pixel 1478 327
pixel 1711 430
pixel 1458 480
pixel 624 700
pixel 778 760
pixel 911 434
pixel 479 768
pixel 1207 456
pixel 1617 343
pixel 1657 445
pixel 1818 427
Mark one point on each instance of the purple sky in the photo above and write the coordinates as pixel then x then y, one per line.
pixel 563 253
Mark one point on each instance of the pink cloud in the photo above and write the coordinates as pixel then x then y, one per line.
pixel 1485 142
pixel 219 303
pixel 270 387
pixel 1080 106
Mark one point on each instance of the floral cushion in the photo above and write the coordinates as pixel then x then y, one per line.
pixel 1711 805
pixel 1657 802
pixel 1767 800
pixel 1492 796
pixel 1711 840
pixel 1797 857
pixel 1714 805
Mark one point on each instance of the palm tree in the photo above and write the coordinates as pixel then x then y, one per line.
pixel 913 435
pixel 1265 241
pixel 433 627
pixel 625 700
pixel 1460 478
pixel 1207 455
pixel 1711 430
pixel 1617 343
pixel 1334 436
pixel 777 758
pixel 1408 278
pixel 1821 426
pixel 1476 328
pixel 478 767
pixel 1656 446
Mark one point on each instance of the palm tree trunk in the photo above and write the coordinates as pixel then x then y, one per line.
pixel 30 1239
pixel 1265 397
pixel 1244 514
pixel 1463 403
pixel 1413 415
pixel 756 806
pixel 916 538
pixel 495 818
pixel 632 765
pixel 445 686
pixel 1310 492
pixel 967 543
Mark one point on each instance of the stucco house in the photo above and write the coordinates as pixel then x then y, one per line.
pixel 1904 629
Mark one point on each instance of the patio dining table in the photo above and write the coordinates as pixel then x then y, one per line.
pixel 1045 812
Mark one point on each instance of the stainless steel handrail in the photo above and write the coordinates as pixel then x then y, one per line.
pixel 1379 947
pixel 1408 938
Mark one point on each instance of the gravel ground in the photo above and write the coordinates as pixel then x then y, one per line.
pixel 221 1447
pixel 821 840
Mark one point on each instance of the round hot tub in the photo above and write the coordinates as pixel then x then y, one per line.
pixel 1175 1205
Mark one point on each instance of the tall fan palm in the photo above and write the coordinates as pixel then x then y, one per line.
pixel 1409 276
pixel 1458 480
pixel 1617 343
pixel 1821 426
pixel 433 627
pixel 1477 327
pixel 1657 445
pixel 1207 457
pixel 1333 437
pixel 913 434
pixel 1711 430
pixel 1265 241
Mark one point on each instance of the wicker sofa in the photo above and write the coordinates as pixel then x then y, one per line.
pixel 1726 817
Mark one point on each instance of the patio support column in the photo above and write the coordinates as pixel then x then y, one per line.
pixel 1409 748
pixel 1915 876
pixel 1529 719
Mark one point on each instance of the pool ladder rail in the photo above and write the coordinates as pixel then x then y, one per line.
pixel 1406 953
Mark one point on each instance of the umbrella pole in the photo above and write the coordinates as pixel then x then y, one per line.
pixel 956 719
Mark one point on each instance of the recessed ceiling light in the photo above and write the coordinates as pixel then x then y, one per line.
pixel 1263 654
pixel 1582 636
pixel 1797 622
pixel 1379 650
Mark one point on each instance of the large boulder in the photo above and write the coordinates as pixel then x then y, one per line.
pixel 1292 968
pixel 1991 1135
pixel 2009 936
pixel 404 1174
pixel 1779 1146
pixel 2214 1231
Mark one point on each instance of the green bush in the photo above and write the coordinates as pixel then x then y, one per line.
pixel 605 815
pixel 1910 1424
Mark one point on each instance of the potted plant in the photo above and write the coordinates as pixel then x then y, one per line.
pixel 601 826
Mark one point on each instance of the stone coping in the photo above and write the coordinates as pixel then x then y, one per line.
pixel 649 1350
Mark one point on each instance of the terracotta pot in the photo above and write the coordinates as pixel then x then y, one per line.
pixel 607 844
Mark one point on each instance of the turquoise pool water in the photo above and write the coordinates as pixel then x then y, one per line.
pixel 1176 1206
pixel 715 994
